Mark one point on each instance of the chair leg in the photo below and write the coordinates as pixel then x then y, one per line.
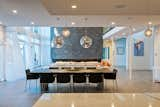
pixel 29 83
pixel 70 87
pixel 116 84
pixel 26 84
pixel 113 85
pixel 57 87
pixel 36 84
pixel 41 85
pixel 42 88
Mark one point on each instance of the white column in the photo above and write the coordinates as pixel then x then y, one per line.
pixel 129 54
pixel 114 53
pixel 3 53
pixel 156 67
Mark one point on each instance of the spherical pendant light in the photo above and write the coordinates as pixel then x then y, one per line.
pixel 148 32
pixel 65 32
pixel 86 42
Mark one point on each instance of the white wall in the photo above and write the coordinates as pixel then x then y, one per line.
pixel 143 62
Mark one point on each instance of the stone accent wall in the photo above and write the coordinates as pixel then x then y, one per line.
pixel 72 48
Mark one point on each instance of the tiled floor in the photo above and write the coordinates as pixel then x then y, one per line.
pixel 12 94
pixel 98 100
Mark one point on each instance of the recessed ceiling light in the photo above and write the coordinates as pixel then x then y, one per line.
pixel 149 22
pixel 113 23
pixel 74 6
pixel 14 11
pixel 73 23
pixel 134 29
pixel 32 23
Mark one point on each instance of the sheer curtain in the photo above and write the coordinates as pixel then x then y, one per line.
pixel 15 68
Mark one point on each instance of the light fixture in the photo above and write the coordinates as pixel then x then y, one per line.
pixel 65 31
pixel 113 23
pixel 150 23
pixel 32 23
pixel 74 6
pixel 134 29
pixel 86 41
pixel 148 32
pixel 14 11
pixel 1 23
pixel 73 23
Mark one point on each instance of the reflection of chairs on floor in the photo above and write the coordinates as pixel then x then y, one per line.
pixel 63 78
pixel 112 76
pixel 45 79
pixel 96 78
pixel 29 77
pixel 79 78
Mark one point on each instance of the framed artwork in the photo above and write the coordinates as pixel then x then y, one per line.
pixel 139 48
pixel 120 50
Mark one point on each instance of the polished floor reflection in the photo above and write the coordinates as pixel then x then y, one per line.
pixel 13 93
pixel 98 100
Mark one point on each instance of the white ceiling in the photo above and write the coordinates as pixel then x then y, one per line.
pixel 103 7
pixel 119 32
pixel 100 13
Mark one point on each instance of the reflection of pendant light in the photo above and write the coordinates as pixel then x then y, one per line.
pixel 58 41
pixel 148 31
pixel 65 31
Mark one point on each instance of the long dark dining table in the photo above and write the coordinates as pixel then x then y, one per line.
pixel 74 71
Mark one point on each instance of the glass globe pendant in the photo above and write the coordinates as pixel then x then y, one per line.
pixel 86 42
pixel 65 32
pixel 148 32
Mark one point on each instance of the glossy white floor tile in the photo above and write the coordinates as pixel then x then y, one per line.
pixel 98 100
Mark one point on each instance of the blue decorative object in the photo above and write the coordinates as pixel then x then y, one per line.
pixel 139 48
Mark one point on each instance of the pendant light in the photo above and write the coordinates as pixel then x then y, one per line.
pixel 86 41
pixel 65 31
pixel 148 31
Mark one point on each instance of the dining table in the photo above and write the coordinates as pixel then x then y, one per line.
pixel 71 72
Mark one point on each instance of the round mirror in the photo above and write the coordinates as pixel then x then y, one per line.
pixel 58 42
pixel 86 41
